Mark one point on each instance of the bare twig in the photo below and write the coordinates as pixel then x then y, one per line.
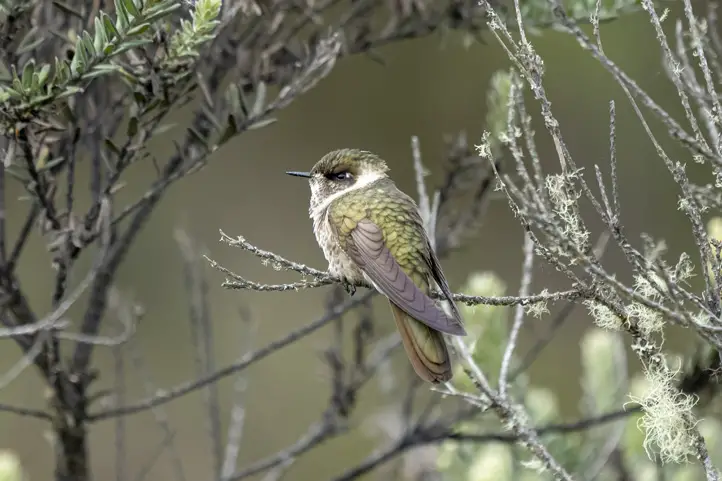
pixel 518 315
pixel 238 411
pixel 322 278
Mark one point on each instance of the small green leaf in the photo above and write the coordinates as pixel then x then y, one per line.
pixel 260 99
pixel 28 71
pixel 132 44
pixel 49 165
pixel 88 44
pixel 233 98
pixel 244 102
pixel 17 84
pixel 163 128
pixel 42 99
pixel 61 71
pixel 110 145
pixel 77 65
pixel 137 30
pixel 261 123
pixel 43 74
pixel 99 39
pixel 160 10
pixel 110 31
pixel 69 90
pixel 133 126
pixel 110 67
pixel 122 22
pixel 197 135
pixel 68 9
pixel 12 92
pixel 93 74
pixel 79 50
pixel 132 9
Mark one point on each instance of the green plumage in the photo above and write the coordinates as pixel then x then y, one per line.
pixel 396 214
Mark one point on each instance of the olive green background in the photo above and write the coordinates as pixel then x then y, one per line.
pixel 428 88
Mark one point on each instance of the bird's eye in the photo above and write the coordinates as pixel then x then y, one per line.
pixel 344 175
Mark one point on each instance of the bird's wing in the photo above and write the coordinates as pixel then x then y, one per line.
pixel 367 248
pixel 440 279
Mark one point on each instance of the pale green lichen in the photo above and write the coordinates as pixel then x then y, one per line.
pixel 651 286
pixel 484 149
pixel 647 319
pixel 603 316
pixel 667 421
pixel 684 270
pixel 710 430
pixel 564 200
pixel 538 309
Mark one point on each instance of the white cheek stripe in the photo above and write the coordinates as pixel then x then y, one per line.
pixel 362 181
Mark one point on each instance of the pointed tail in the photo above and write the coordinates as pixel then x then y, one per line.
pixel 424 346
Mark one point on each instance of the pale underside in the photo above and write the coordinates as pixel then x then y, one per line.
pixel 339 263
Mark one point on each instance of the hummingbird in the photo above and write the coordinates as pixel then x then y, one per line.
pixel 371 231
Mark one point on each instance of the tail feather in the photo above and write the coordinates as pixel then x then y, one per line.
pixel 425 347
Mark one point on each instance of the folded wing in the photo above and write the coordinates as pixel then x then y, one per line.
pixel 366 247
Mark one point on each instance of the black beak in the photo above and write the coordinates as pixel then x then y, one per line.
pixel 300 174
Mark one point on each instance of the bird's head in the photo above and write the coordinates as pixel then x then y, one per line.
pixel 340 171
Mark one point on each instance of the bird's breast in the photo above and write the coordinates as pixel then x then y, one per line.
pixel 339 264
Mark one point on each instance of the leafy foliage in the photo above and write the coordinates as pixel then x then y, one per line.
pixel 36 86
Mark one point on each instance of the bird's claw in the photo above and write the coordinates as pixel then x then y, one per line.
pixel 348 287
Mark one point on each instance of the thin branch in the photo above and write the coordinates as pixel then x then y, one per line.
pixel 518 315
pixel 120 422
pixel 321 278
pixel 202 336
pixel 29 412
pixel 238 409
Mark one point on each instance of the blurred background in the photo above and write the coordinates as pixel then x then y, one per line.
pixel 429 88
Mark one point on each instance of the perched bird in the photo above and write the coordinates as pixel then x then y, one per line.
pixel 371 231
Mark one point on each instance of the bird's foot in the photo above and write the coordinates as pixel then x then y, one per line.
pixel 348 287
